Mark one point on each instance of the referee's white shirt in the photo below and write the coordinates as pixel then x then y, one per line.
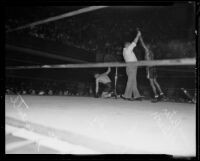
pixel 128 54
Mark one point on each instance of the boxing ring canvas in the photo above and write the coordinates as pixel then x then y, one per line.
pixel 86 125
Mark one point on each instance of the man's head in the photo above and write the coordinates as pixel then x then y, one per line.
pixel 96 75
pixel 126 44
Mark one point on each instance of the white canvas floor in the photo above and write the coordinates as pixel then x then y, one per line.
pixel 137 127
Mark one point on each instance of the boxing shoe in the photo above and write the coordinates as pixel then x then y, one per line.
pixel 106 95
pixel 155 99
pixel 162 97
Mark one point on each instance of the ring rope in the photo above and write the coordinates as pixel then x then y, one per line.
pixel 167 62
pixel 55 18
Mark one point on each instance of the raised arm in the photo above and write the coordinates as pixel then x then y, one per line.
pixel 137 37
pixel 134 43
pixel 142 43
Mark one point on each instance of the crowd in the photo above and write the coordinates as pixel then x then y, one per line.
pixel 48 87
pixel 106 33
pixel 80 88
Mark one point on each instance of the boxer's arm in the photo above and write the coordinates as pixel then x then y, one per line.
pixel 108 71
pixel 143 44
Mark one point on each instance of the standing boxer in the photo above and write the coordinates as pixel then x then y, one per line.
pixel 152 74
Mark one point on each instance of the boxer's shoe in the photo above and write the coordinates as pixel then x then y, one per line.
pixel 108 95
pixel 155 99
pixel 162 97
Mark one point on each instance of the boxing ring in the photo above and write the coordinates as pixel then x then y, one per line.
pixel 87 125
